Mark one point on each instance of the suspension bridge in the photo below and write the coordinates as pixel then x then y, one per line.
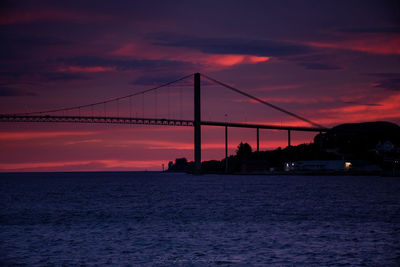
pixel 90 113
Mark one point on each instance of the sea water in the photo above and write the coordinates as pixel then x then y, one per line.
pixel 163 219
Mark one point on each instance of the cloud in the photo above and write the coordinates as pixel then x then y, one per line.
pixel 30 76
pixel 80 142
pixel 8 91
pixel 166 145
pixel 11 74
pixel 9 136
pixel 389 84
pixel 62 76
pixel 55 15
pixel 85 69
pixel 362 104
pixel 371 30
pixel 324 61
pixel 386 109
pixel 228 60
pixel 159 79
pixel 381 44
pixel 82 165
pixel 21 46
pixel 121 64
pixel 30 40
pixel 388 81
pixel 319 66
pixel 234 46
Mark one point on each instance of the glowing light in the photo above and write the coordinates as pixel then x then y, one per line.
pixel 347 166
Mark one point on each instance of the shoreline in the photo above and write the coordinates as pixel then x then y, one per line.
pixel 283 173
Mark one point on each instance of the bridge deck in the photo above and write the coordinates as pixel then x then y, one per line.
pixel 147 121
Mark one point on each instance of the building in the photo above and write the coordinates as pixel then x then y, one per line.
pixel 318 165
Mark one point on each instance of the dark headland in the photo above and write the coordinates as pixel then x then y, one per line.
pixel 352 148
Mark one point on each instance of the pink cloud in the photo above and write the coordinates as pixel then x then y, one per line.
pixel 38 135
pixel 231 60
pixel 140 50
pixel 289 99
pixel 80 142
pixel 165 145
pixel 370 43
pixel 386 109
pixel 279 87
pixel 88 165
pixel 85 69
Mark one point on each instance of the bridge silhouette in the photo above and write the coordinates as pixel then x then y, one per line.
pixel 53 115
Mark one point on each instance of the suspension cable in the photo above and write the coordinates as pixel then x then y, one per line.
pixel 106 101
pixel 263 102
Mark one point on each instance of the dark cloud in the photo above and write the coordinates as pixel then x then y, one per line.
pixel 160 79
pixel 371 30
pixel 389 84
pixel 26 76
pixel 14 46
pixel 7 4
pixel 319 66
pixel 34 40
pixel 388 80
pixel 121 64
pixel 11 74
pixel 62 76
pixel 260 47
pixel 40 75
pixel 386 75
pixel 8 91
pixel 363 104
pixel 327 61
pixel 17 41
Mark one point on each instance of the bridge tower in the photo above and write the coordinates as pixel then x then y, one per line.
pixel 197 124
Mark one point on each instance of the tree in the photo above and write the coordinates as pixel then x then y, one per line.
pixel 243 150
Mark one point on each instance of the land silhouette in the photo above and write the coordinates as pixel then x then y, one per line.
pixel 375 145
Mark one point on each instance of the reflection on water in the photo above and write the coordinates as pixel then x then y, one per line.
pixel 177 219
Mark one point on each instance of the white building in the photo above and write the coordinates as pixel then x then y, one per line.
pixel 318 165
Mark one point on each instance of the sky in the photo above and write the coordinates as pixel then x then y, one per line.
pixel 331 62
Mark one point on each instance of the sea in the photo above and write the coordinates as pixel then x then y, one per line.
pixel 177 219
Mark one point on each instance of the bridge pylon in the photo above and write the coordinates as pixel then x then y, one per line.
pixel 197 124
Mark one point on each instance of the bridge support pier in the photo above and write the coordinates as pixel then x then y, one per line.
pixel 288 136
pixel 197 125
pixel 320 141
pixel 258 139
pixel 226 149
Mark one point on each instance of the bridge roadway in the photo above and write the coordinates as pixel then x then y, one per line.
pixel 147 121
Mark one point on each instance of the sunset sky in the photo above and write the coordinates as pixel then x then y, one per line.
pixel 332 62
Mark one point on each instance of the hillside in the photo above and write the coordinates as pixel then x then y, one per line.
pixel 375 142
